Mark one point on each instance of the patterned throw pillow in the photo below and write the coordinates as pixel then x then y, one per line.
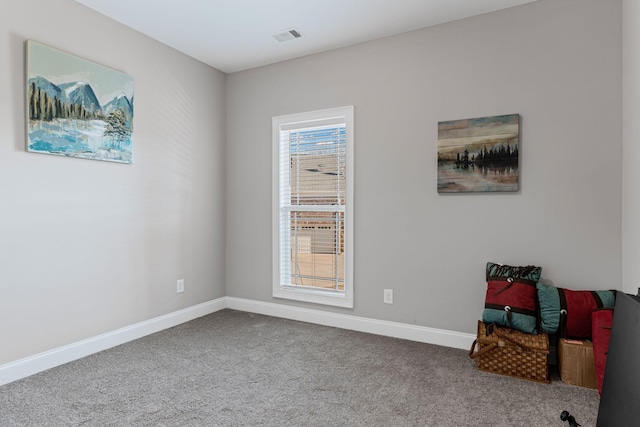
pixel 568 312
pixel 511 296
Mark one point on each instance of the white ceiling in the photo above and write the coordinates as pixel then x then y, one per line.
pixel 234 35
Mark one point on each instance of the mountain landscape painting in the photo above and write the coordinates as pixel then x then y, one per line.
pixel 77 108
pixel 480 154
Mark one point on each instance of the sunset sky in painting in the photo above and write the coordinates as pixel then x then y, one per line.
pixel 475 134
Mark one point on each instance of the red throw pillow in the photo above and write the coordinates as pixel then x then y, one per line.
pixel 601 321
pixel 576 308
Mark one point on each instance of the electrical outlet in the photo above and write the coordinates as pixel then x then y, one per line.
pixel 180 286
pixel 388 296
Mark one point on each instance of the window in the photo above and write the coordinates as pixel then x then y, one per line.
pixel 313 207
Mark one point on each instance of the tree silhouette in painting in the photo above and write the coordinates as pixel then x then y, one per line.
pixel 117 130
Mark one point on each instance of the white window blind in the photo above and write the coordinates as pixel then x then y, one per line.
pixel 312 193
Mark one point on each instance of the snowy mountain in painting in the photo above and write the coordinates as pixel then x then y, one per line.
pixel 81 93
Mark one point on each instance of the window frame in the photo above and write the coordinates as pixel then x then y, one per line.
pixel 309 120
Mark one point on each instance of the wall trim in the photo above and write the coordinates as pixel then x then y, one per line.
pixel 361 324
pixel 22 368
pixel 31 365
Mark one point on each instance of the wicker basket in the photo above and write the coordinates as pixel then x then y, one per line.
pixel 510 352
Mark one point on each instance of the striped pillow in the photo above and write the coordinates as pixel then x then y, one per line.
pixel 511 296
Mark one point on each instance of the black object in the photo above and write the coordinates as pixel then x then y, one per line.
pixel 621 385
pixel 565 416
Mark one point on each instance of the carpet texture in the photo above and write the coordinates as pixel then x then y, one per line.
pixel 233 368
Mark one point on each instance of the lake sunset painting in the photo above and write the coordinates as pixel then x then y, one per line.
pixel 479 155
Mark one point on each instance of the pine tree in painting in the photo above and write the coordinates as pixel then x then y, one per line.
pixel 117 130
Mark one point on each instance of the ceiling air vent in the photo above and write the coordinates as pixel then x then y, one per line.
pixel 289 34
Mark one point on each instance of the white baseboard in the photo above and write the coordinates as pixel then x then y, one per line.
pixel 361 324
pixel 40 362
pixel 22 368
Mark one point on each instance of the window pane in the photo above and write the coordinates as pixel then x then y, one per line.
pixel 317 166
pixel 317 249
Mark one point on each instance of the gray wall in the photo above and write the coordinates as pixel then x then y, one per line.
pixel 556 63
pixel 87 247
pixel 631 147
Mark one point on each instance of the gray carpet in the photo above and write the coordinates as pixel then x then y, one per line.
pixel 238 369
